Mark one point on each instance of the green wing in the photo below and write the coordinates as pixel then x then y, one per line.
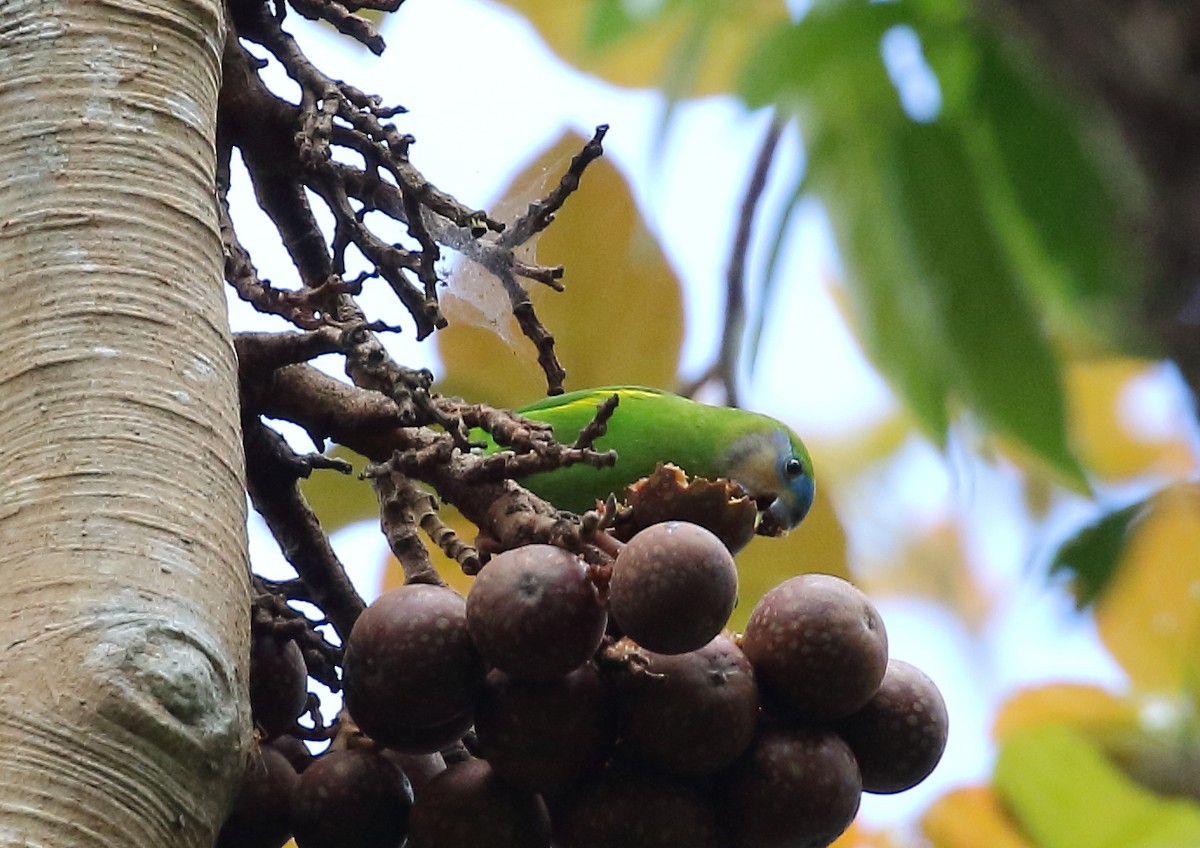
pixel 648 426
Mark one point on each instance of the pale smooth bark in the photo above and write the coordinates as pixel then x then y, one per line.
pixel 123 580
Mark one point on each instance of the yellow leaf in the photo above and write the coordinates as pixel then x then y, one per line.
pixel 1080 705
pixel 855 452
pixel 620 320
pixel 1149 619
pixel 934 565
pixel 819 544
pixel 644 58
pixel 340 500
pixel 859 836
pixel 972 817
pixel 1107 441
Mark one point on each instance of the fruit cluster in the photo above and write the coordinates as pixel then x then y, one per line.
pixel 606 707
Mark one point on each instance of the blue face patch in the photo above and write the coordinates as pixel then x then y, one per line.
pixel 802 492
pixel 766 463
pixel 796 488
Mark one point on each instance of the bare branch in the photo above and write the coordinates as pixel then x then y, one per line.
pixel 724 369
pixel 399 503
pixel 541 212
pixel 271 472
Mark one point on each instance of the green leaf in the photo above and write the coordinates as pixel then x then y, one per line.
pixel 947 238
pixel 827 68
pixel 1095 805
pixel 1092 555
pixel 999 357
pixel 1046 190
pixel 609 22
pixel 953 12
pixel 835 44
pixel 953 53
pixel 898 322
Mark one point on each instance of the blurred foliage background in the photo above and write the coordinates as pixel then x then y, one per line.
pixel 1010 264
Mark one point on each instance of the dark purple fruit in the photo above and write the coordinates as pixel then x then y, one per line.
pixel 631 808
pixel 294 750
pixel 429 740
pixel 468 806
pixel 278 683
pixel 260 814
pixel 534 613
pixel 410 664
pixel 545 736
pixel 818 646
pixel 673 587
pixel 419 768
pixel 351 799
pixel 794 788
pixel 899 736
pixel 689 714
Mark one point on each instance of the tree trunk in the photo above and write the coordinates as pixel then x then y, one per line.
pixel 123 607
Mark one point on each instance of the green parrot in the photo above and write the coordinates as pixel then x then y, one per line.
pixel 649 426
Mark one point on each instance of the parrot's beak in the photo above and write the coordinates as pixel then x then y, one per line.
pixel 789 509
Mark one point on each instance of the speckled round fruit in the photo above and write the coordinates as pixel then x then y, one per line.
pixel 673 587
pixel 294 750
pixel 634 808
pixel 534 612
pixel 427 740
pixel 260 816
pixel 545 736
pixel 899 736
pixel 419 768
pixel 351 799
pixel 468 806
pixel 818 646
pixel 278 683
pixel 796 787
pixel 689 714
pixel 410 663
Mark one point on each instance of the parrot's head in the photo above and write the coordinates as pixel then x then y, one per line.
pixel 775 465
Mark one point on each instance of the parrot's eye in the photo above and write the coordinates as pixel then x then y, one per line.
pixel 793 467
